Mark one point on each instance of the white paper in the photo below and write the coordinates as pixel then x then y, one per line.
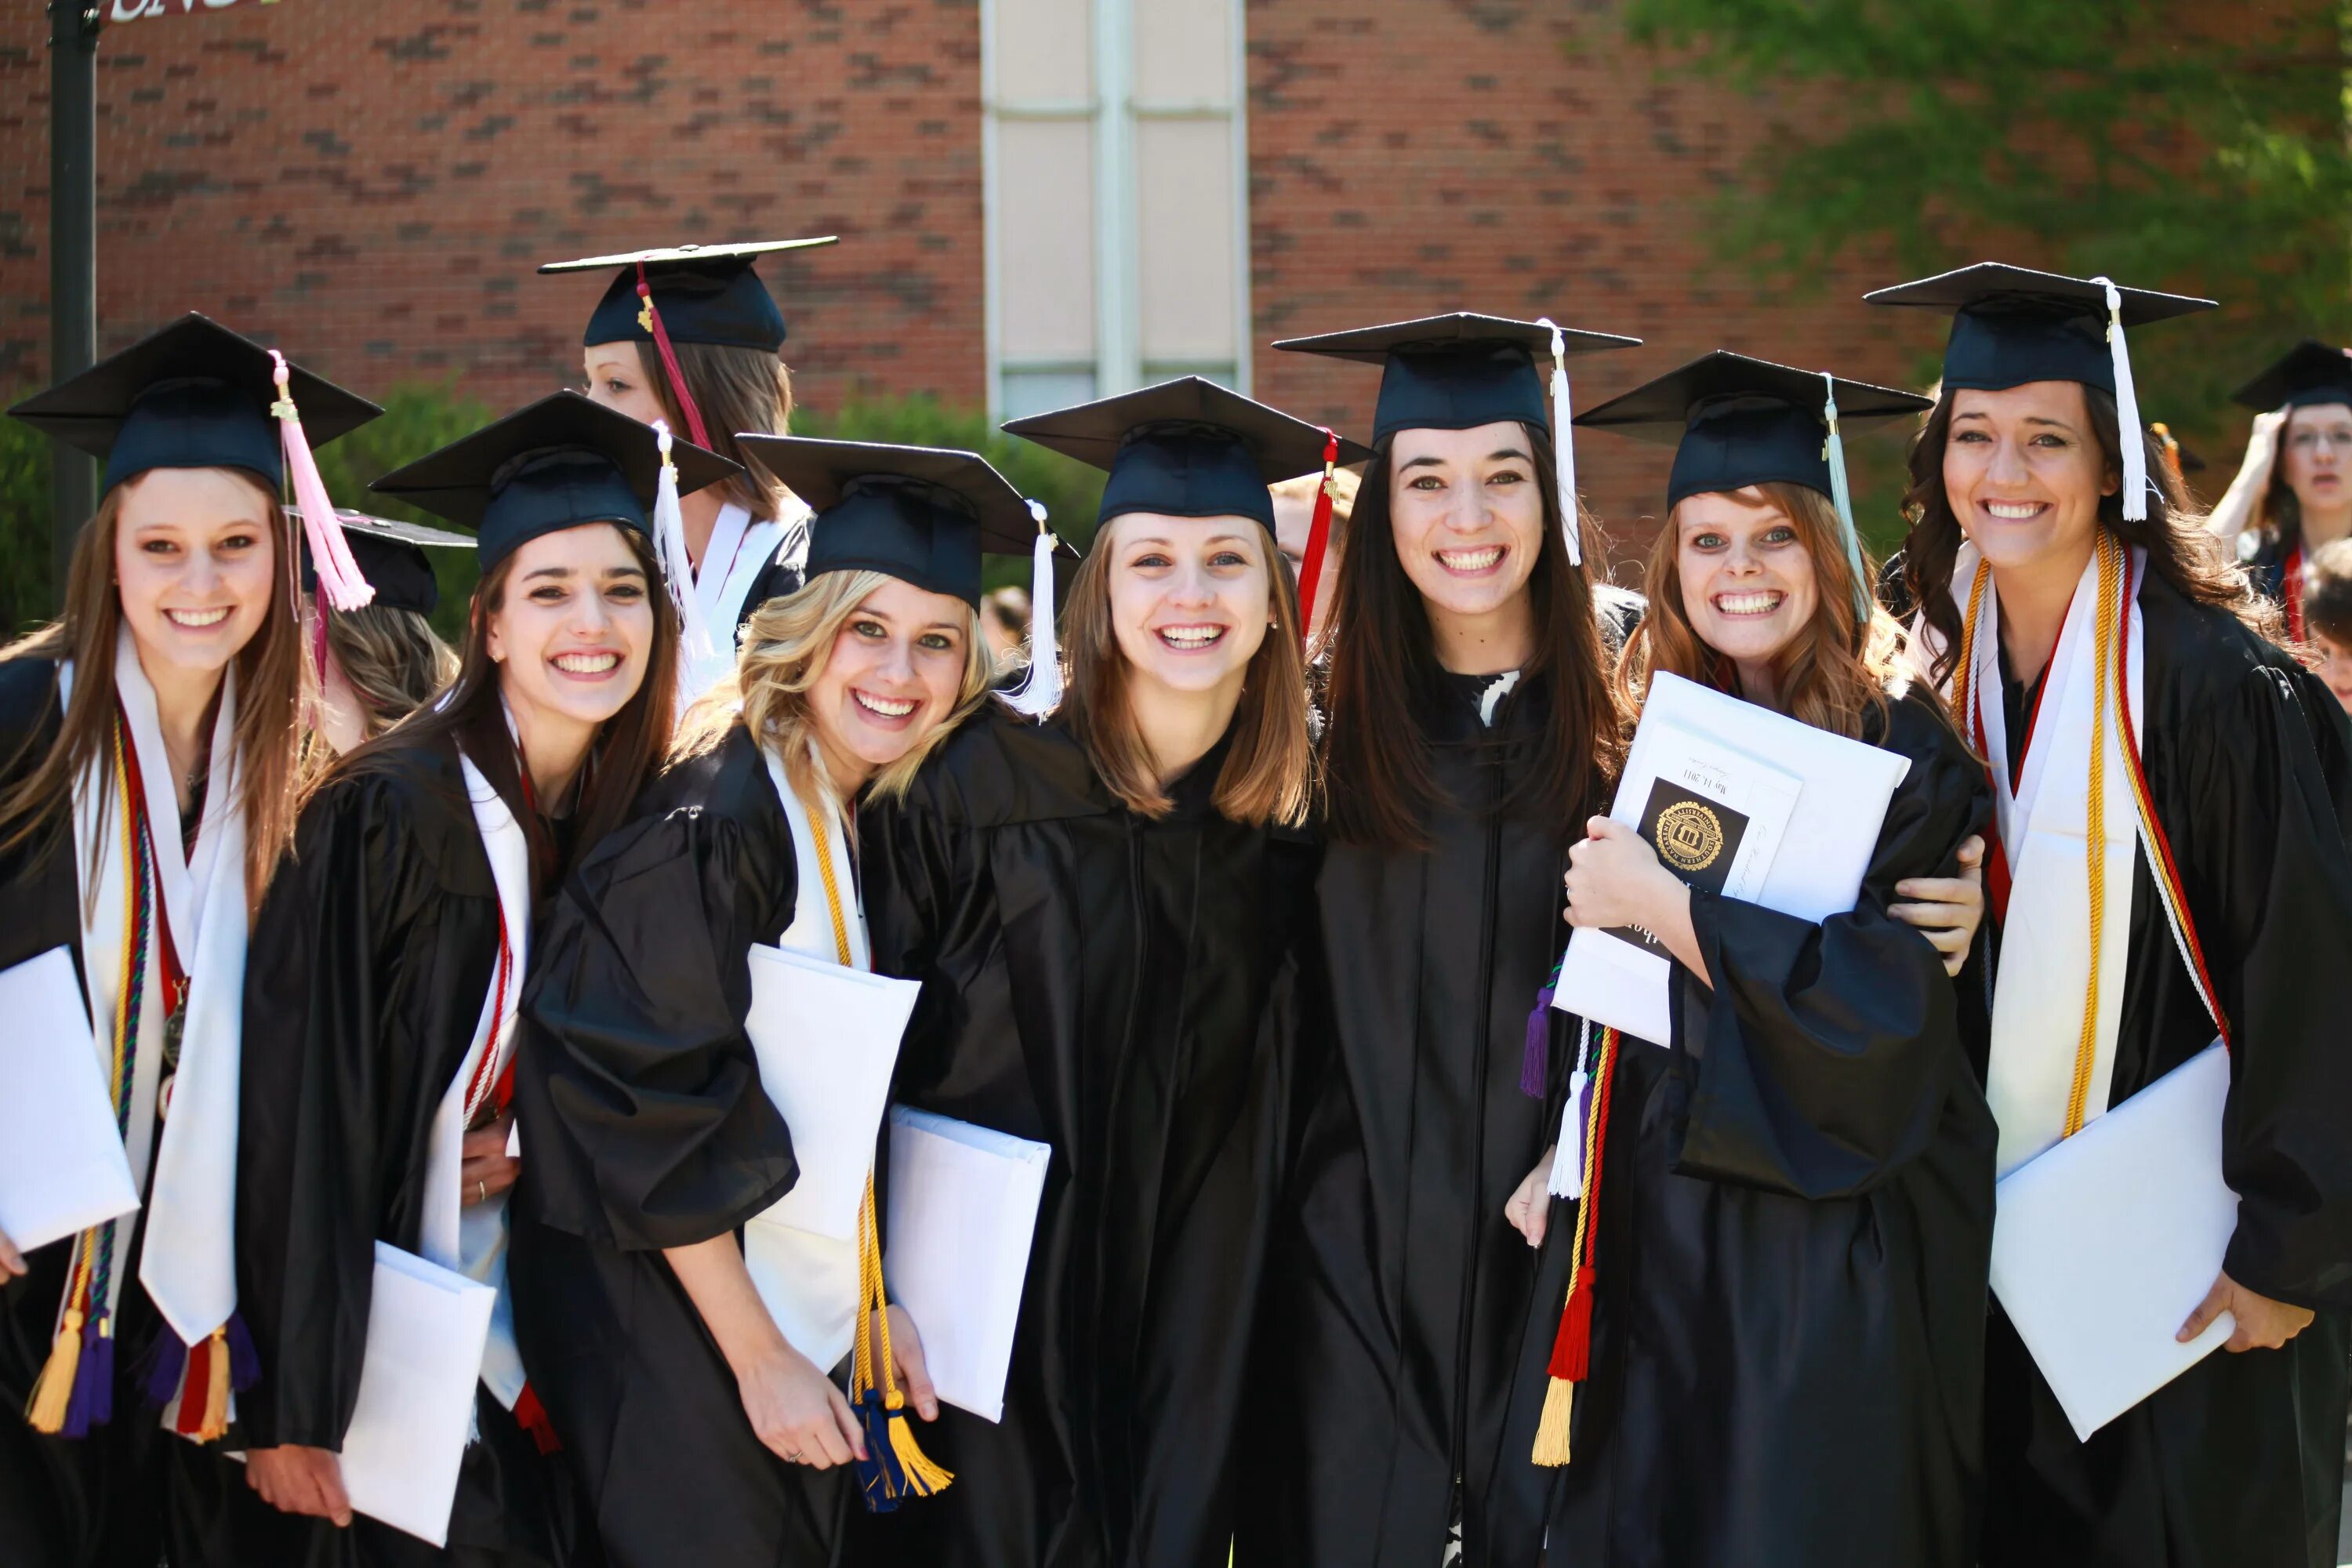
pixel 62 1166
pixel 426 1329
pixel 1813 801
pixel 810 1286
pixel 2103 1245
pixel 827 1037
pixel 963 1211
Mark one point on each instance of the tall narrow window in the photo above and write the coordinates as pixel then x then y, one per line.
pixel 1117 192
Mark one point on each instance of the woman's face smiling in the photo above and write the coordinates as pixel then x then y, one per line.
pixel 2024 474
pixel 195 562
pixel 1467 515
pixel 2315 449
pixel 574 631
pixel 1191 598
pixel 893 677
pixel 616 378
pixel 1748 580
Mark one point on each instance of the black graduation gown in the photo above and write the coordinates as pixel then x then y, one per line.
pixel 1124 990
pixel 643 1126
pixel 2239 1462
pixel 373 954
pixel 1796 1226
pixel 782 575
pixel 99 1500
pixel 1403 1345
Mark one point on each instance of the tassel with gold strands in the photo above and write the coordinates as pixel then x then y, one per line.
pixel 1571 1349
pixel 1319 536
pixel 2167 446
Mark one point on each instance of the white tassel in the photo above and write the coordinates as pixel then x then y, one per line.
pixel 1841 497
pixel 1563 445
pixel 1040 691
pixel 2131 433
pixel 676 564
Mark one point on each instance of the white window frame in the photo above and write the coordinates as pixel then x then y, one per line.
pixel 1113 112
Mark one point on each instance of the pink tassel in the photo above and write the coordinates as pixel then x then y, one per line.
pixel 341 580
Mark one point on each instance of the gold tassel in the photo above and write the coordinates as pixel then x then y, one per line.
pixel 925 1476
pixel 1552 1431
pixel 216 1388
pixel 53 1390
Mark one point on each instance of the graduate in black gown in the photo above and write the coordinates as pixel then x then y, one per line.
pixel 688 1357
pixel 689 335
pixel 1111 914
pixel 148 770
pixel 379 1034
pixel 1784 1362
pixel 2293 495
pixel 2037 500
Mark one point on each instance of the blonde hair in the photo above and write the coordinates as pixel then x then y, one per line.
pixel 1269 775
pixel 1344 484
pixel 1832 674
pixel 785 645
pixel 735 389
pixel 392 660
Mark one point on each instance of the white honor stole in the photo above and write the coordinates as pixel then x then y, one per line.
pixel 2051 931
pixel 473 1240
pixel 740 550
pixel 189 1264
pixel 822 1269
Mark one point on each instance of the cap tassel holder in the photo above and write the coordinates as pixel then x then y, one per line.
pixel 1571 1349
pixel 677 563
pixel 1318 537
pixel 341 583
pixel 2131 433
pixel 1841 497
pixel 650 320
pixel 1563 447
pixel 1040 691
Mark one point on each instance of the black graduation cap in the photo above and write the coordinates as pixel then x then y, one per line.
pixel 2011 325
pixel 923 514
pixel 1735 421
pixel 1457 372
pixel 192 394
pixel 706 294
pixel 391 556
pixel 552 465
pixel 2309 373
pixel 1186 448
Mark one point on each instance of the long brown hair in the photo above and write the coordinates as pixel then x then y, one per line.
pixel 272 694
pixel 1269 772
pixel 472 716
pixel 735 390
pixel 1835 674
pixel 1385 678
pixel 2181 549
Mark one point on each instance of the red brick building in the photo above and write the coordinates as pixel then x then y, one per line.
pixel 1036 199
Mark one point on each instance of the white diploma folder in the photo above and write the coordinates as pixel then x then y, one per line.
pixel 964 1210
pixel 62 1168
pixel 426 1329
pixel 827 1037
pixel 2103 1245
pixel 1742 801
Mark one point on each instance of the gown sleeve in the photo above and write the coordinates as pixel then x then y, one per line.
pixel 910 875
pixel 1824 1053
pixel 2276 802
pixel 318 1071
pixel 643 1121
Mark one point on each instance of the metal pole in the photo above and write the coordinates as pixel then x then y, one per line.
pixel 73 254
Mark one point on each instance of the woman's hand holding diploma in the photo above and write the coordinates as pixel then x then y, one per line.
pixel 1614 879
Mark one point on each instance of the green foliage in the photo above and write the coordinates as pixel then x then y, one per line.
pixel 2162 144
pixel 1069 490
pixel 415 420
pixel 24 596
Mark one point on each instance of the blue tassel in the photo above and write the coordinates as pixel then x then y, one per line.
pixel 92 1403
pixel 880 1475
pixel 167 1357
pixel 1536 1060
pixel 244 1361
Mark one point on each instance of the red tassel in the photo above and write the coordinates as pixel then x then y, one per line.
pixel 653 324
pixel 1319 536
pixel 531 1416
pixel 1571 1348
pixel 193 1383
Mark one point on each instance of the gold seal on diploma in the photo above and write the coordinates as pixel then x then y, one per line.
pixel 1690 835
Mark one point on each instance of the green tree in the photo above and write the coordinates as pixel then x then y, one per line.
pixel 2201 148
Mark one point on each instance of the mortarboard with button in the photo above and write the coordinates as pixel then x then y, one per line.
pixel 391 555
pixel 1735 421
pixel 552 465
pixel 1460 371
pixel 2013 325
pixel 923 514
pixel 2306 376
pixel 701 293
pixel 192 394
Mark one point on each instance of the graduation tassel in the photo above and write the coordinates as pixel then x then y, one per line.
pixel 341 583
pixel 2132 434
pixel 1536 1059
pixel 1318 537
pixel 1841 497
pixel 1040 691
pixel 1571 1350
pixel 650 320
pixel 677 563
pixel 895 1467
pixel 2167 446
pixel 1563 445
pixel 53 1390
